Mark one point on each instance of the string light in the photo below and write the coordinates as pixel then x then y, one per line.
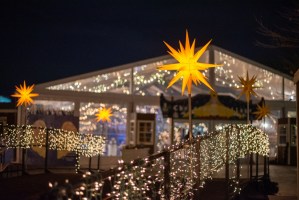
pixel 152 82
pixel 28 136
pixel 144 178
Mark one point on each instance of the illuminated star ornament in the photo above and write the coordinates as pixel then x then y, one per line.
pixel 248 86
pixel 104 114
pixel 262 111
pixel 188 67
pixel 24 94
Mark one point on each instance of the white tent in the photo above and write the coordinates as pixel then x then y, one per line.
pixel 136 88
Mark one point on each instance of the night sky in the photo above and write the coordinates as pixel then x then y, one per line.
pixel 43 40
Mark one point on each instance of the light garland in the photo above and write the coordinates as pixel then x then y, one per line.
pixel 28 136
pixel 144 178
pixel 145 77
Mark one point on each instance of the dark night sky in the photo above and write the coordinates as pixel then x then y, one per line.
pixel 47 40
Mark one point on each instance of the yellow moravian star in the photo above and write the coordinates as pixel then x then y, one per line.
pixel 188 67
pixel 104 114
pixel 248 86
pixel 262 111
pixel 24 94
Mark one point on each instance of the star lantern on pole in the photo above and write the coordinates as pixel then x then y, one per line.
pixel 188 69
pixel 24 95
pixel 247 87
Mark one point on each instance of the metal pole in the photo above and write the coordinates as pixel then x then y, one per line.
pixel 250 165
pixel 24 161
pixel 46 151
pixel 297 123
pixel 89 164
pixel 99 161
pixel 190 137
pixel 238 158
pixel 199 162
pixel 190 117
pixel 265 166
pixel 24 154
pixel 227 165
pixel 167 174
pixel 257 166
pixel 172 123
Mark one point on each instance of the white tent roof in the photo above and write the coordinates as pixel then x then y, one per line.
pixel 142 78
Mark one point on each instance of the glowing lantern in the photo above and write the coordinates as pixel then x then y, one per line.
pixel 262 111
pixel 24 94
pixel 188 67
pixel 247 89
pixel 104 114
pixel 248 86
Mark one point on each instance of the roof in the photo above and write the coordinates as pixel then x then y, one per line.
pixel 142 78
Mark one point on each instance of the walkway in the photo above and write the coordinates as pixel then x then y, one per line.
pixel 286 177
pixel 30 187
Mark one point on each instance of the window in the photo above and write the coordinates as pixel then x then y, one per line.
pixel 282 134
pixel 145 132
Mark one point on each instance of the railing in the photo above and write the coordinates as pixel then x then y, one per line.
pixel 179 172
pixel 176 173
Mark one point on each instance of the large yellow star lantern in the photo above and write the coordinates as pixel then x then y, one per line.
pixel 104 115
pixel 24 94
pixel 248 86
pixel 262 111
pixel 188 67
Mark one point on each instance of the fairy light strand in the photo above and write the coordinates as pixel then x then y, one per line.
pixel 144 178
